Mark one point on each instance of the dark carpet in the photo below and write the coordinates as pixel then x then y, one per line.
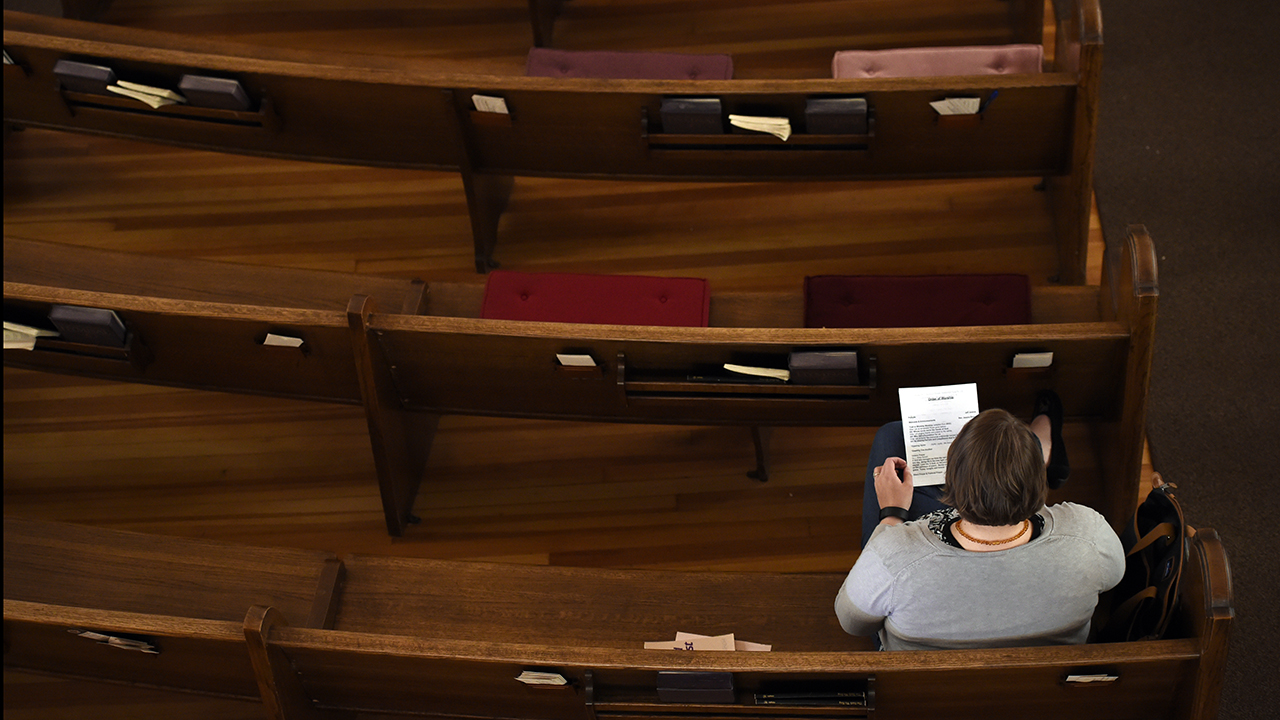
pixel 1189 146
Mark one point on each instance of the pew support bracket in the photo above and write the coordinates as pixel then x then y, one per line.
pixel 283 696
pixel 401 439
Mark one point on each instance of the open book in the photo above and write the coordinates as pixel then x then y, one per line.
pixel 931 419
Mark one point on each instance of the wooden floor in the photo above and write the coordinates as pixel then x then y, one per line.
pixel 274 472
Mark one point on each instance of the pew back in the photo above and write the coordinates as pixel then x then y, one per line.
pixel 191 654
pixel 210 346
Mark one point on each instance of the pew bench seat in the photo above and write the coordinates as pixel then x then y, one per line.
pixel 616 65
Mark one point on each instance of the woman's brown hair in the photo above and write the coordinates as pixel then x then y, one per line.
pixel 995 470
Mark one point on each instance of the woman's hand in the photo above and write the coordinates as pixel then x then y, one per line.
pixel 890 491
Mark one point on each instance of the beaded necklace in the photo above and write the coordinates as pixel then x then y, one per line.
pixel 1026 525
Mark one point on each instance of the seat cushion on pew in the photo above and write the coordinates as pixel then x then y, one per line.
pixel 939 61
pixel 548 62
pixel 885 301
pixel 596 299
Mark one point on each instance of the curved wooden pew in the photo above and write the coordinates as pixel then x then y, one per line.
pixel 382 111
pixel 415 637
pixel 433 355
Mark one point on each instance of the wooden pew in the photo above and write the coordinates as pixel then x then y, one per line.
pixel 382 111
pixel 414 637
pixel 450 361
pixel 408 369
pixel 185 598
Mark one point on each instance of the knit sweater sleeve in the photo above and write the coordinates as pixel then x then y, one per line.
pixel 864 599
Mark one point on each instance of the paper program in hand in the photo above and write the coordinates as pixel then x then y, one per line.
pixel 931 419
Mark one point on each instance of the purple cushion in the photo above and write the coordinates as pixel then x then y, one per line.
pixel 882 301
pixel 596 299
pixel 548 62
pixel 939 61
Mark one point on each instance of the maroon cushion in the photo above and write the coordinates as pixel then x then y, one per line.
pixel 596 299
pixel 548 62
pixel 879 301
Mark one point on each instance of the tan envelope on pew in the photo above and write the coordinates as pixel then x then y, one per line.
pixel 691 641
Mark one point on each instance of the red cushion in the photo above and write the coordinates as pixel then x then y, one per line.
pixel 596 299
pixel 548 62
pixel 880 301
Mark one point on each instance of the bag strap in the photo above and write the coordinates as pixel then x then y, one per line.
pixel 1125 612
pixel 1162 530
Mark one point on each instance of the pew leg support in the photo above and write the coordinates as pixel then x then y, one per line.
pixel 400 439
pixel 760 437
pixel 542 15
pixel 487 198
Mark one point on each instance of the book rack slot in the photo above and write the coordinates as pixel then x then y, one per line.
pixel 90 105
pixel 745 140
pixel 675 385
pixel 16 71
pixel 759 142
pixel 132 353
pixel 771 698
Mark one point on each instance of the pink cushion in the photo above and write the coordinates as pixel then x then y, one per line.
pixel 881 301
pixel 548 62
pixel 938 61
pixel 596 299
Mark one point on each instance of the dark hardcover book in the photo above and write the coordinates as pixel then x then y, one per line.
pixel 90 326
pixel 692 116
pixel 695 687
pixel 824 367
pixel 211 92
pixel 83 77
pixel 836 116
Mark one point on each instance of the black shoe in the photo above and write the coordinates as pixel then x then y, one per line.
pixel 1050 405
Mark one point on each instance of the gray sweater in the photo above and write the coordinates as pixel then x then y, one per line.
pixel 921 593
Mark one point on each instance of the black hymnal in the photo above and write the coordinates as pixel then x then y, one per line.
pixel 695 687
pixel 692 116
pixel 836 116
pixel 818 367
pixel 83 77
pixel 90 326
pixel 211 92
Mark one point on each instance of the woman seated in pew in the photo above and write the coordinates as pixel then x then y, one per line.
pixel 981 561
